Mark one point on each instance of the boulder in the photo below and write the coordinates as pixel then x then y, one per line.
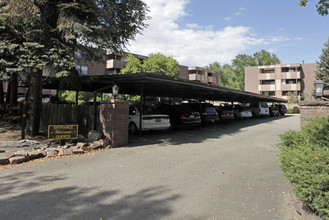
pixel 105 142
pixel 81 144
pixel 96 145
pixel 94 135
pixel 52 153
pixel 36 154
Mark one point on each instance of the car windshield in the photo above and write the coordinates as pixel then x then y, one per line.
pixel 210 110
pixel 264 105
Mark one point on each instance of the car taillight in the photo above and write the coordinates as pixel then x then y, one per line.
pixel 198 116
pixel 182 116
pixel 165 117
pixel 205 113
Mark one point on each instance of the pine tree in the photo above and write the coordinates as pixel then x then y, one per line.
pixel 322 71
pixel 39 34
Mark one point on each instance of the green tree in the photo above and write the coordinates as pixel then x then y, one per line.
pixel 238 64
pixel 161 64
pixel 155 63
pixel 70 96
pixel 134 65
pixel 47 33
pixel 322 6
pixel 264 57
pixel 322 71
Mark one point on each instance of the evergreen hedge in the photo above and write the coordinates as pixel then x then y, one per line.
pixel 305 161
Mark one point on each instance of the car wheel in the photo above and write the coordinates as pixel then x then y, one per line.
pixel 132 128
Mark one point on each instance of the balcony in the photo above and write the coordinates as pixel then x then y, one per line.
pixel 264 76
pixel 117 64
pixel 196 77
pixel 266 87
pixel 290 75
pixel 290 87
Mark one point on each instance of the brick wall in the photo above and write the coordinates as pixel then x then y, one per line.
pixel 313 109
pixel 113 121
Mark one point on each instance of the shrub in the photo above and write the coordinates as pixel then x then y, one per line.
pixel 305 161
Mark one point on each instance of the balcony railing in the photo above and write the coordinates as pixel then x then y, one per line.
pixel 267 87
pixel 117 64
pixel 290 87
pixel 264 76
pixel 290 75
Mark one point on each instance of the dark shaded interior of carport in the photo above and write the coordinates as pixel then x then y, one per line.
pixel 154 85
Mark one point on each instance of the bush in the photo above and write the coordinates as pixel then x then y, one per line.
pixel 305 161
pixel 290 111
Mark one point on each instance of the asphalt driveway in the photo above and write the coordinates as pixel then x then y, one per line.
pixel 227 171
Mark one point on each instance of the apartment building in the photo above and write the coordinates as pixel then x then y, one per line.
pixel 112 63
pixel 281 79
pixel 203 75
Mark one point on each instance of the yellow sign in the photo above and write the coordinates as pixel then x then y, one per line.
pixel 62 132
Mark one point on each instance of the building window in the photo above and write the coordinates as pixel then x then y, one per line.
pixel 267 82
pixel 81 55
pixel 267 71
pixel 209 74
pixel 192 71
pixel 82 70
pixel 285 93
pixel 268 93
pixel 289 81
pixel 290 69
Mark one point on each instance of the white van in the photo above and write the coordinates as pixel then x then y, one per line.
pixel 259 109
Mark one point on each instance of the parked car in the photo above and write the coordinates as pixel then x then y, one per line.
pixel 259 109
pixel 152 119
pixel 181 115
pixel 274 111
pixel 208 112
pixel 242 111
pixel 225 113
pixel 282 109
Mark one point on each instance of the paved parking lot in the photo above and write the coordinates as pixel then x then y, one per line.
pixel 226 171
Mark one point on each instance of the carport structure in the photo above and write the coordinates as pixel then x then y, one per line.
pixel 155 85
pixel 149 84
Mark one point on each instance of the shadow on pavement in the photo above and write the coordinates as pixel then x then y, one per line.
pixel 199 134
pixel 38 199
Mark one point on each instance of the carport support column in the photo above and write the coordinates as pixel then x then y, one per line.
pixel 113 121
pixel 142 104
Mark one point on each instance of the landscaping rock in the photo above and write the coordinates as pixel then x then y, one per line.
pixel 63 152
pixel 17 159
pixel 20 153
pixel 7 155
pixel 105 142
pixel 81 144
pixel 36 154
pixel 94 135
pixel 96 145
pixel 52 153
pixel 77 151
pixel 87 148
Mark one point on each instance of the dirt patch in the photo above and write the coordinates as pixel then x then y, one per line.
pixel 12 132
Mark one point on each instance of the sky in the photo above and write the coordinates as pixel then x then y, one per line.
pixel 200 32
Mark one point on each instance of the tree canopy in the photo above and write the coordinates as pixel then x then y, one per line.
pixel 322 6
pixel 155 63
pixel 39 34
pixel 232 76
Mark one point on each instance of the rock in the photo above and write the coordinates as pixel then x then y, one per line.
pixel 105 142
pixel 96 145
pixel 94 135
pixel 52 153
pixel 36 154
pixel 77 151
pixel 3 161
pixel 87 148
pixel 20 153
pixel 17 159
pixel 63 152
pixel 81 144
pixel 7 155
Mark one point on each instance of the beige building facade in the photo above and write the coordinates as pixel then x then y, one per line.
pixel 203 75
pixel 281 79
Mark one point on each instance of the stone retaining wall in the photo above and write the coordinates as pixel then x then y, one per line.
pixel 313 109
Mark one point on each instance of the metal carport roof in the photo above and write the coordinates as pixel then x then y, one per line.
pixel 157 86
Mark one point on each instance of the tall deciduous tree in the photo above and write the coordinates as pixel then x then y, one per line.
pixel 232 76
pixel 48 32
pixel 155 63
pixel 322 71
